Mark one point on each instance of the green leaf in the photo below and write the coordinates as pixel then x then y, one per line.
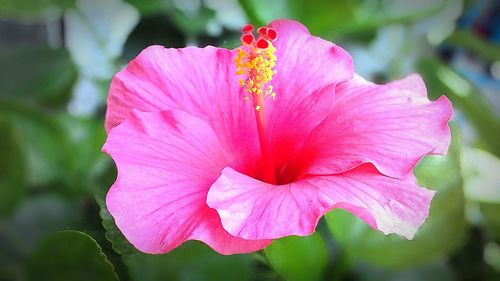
pixel 12 169
pixel 32 9
pixel 491 218
pixel 70 255
pixel 191 261
pixel 42 141
pixel 192 24
pixel 298 258
pixel 442 233
pixel 438 271
pixel 149 7
pixel 260 16
pixel 325 18
pixel 36 217
pixel 39 74
pixel 86 161
pixel 192 17
pixel 60 150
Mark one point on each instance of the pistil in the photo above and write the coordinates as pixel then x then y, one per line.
pixel 255 61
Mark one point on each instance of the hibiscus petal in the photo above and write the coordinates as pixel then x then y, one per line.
pixel 307 70
pixel 251 209
pixel 166 163
pixel 305 63
pixel 161 78
pixel 391 126
pixel 199 81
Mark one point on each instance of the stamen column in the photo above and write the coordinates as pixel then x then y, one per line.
pixel 255 61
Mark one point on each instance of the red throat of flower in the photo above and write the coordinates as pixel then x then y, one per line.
pixel 254 63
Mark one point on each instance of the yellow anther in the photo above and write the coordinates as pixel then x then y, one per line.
pixel 256 64
pixel 269 89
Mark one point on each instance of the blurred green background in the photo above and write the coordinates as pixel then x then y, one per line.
pixel 56 61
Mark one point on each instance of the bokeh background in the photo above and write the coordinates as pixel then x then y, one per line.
pixel 56 61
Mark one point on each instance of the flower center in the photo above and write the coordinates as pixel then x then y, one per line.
pixel 254 64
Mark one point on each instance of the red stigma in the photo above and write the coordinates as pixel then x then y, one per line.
pixel 262 43
pixel 247 39
pixel 272 34
pixel 247 28
pixel 262 30
pixel 265 36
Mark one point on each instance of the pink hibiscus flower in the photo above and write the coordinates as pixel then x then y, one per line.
pixel 238 147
